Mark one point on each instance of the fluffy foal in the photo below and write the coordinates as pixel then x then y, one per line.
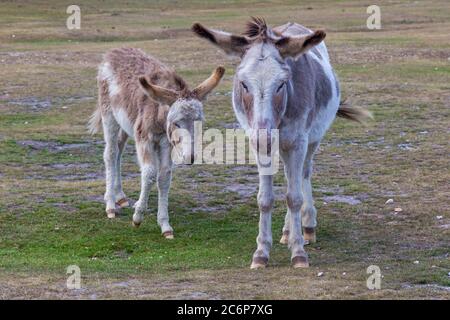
pixel 284 82
pixel 141 98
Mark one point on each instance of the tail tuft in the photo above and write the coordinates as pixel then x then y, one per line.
pixel 354 113
pixel 95 121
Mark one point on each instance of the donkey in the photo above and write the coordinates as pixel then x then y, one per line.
pixel 284 82
pixel 141 98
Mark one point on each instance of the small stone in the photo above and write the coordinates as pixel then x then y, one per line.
pixel 344 273
pixel 389 201
pixel 320 274
pixel 398 209
pixel 416 262
pixel 439 217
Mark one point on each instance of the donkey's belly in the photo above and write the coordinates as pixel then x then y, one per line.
pixel 324 118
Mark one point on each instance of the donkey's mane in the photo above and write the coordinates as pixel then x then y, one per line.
pixel 256 27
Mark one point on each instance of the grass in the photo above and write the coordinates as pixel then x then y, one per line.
pixel 51 171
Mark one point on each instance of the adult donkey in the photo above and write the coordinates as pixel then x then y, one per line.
pixel 284 81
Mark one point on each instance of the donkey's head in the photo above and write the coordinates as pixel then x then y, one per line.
pixel 185 108
pixel 262 78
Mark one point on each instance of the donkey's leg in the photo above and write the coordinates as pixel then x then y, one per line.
pixel 264 239
pixel 287 220
pixel 308 210
pixel 148 162
pixel 111 134
pixel 293 161
pixel 164 180
pixel 121 199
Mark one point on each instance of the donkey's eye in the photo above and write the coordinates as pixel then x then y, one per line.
pixel 244 86
pixel 280 87
pixel 176 125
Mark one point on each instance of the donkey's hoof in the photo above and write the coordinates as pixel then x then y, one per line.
pixel 137 219
pixel 123 203
pixel 309 234
pixel 111 213
pixel 300 262
pixel 285 237
pixel 259 263
pixel 168 234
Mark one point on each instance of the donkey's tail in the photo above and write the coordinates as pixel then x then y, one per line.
pixel 354 113
pixel 95 121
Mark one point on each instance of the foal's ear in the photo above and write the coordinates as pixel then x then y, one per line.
pixel 295 46
pixel 166 96
pixel 209 84
pixel 230 43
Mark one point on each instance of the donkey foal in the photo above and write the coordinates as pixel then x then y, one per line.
pixel 141 98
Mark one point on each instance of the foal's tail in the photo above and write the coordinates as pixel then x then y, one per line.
pixel 95 121
pixel 354 113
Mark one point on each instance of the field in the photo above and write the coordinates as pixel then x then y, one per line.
pixel 52 180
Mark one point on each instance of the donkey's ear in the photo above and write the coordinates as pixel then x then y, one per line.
pixel 209 84
pixel 295 46
pixel 166 96
pixel 230 43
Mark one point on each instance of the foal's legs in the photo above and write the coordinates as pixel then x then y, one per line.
pixel 120 196
pixel 264 239
pixel 111 134
pixel 308 211
pixel 293 161
pixel 149 163
pixel 164 180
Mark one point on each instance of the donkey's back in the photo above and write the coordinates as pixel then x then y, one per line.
pixel 314 84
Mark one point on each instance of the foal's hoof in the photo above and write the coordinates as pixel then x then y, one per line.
pixel 168 234
pixel 300 262
pixel 259 263
pixel 309 234
pixel 123 203
pixel 111 213
pixel 285 237
pixel 135 224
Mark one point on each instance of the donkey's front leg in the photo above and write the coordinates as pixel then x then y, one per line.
pixel 164 180
pixel 264 239
pixel 146 156
pixel 293 161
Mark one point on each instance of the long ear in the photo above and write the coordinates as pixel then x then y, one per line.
pixel 294 46
pixel 164 95
pixel 209 84
pixel 230 43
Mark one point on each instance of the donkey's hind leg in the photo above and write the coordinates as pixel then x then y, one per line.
pixel 149 165
pixel 111 134
pixel 308 211
pixel 120 197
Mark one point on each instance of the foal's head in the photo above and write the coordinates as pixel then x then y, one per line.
pixel 185 109
pixel 262 78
